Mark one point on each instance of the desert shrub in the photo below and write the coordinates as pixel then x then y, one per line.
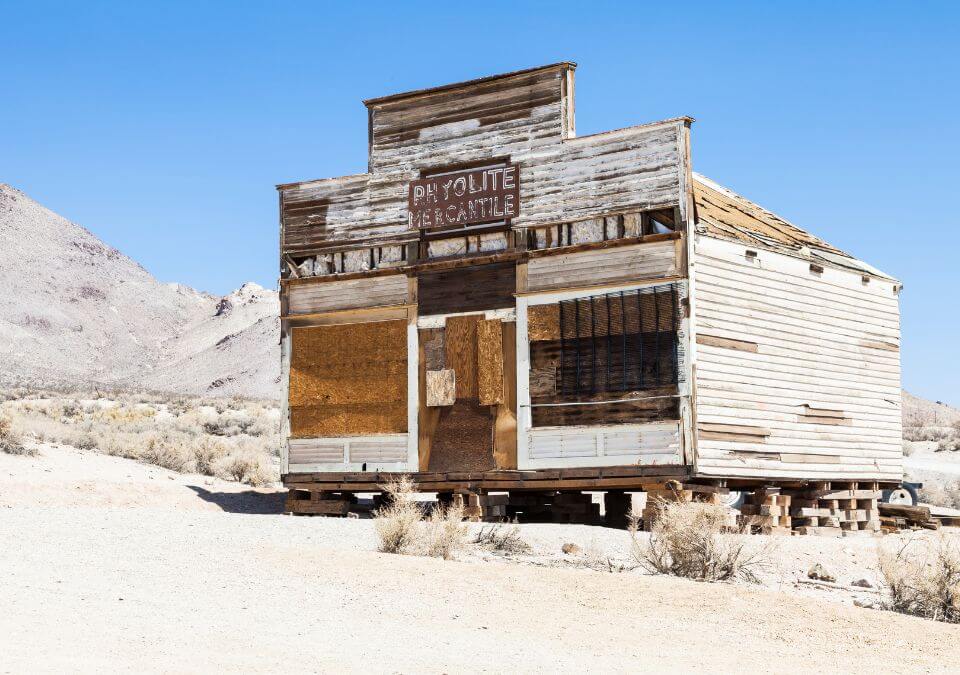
pixel 923 577
pixel 10 440
pixel 397 523
pixel 125 424
pixel 940 493
pixel 206 453
pixel 503 538
pixel 243 468
pixel 166 452
pixel 445 531
pixel 907 448
pixel 949 444
pixel 692 540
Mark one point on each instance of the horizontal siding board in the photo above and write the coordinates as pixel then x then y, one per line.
pixel 810 335
pixel 643 261
pixel 325 296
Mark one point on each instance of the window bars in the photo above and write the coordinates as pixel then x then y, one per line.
pixel 617 342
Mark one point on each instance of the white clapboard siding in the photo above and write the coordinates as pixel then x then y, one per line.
pixel 325 296
pixel 654 260
pixel 383 450
pixel 643 444
pixel 348 453
pixel 823 341
pixel 317 451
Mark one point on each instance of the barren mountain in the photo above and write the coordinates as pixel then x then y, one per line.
pixel 77 312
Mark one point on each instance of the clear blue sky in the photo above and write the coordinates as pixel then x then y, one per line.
pixel 163 127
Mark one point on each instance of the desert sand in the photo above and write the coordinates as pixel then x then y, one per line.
pixel 114 565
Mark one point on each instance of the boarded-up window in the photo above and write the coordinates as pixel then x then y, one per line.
pixel 622 341
pixel 591 358
pixel 349 380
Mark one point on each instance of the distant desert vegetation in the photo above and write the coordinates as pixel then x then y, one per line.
pixel 235 439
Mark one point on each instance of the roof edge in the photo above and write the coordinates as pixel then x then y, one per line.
pixel 466 83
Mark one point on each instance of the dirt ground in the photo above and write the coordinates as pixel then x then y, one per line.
pixel 113 565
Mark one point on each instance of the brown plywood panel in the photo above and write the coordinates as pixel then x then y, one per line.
pixel 543 322
pixel 463 440
pixel 467 289
pixel 490 362
pixel 349 379
pixel 461 343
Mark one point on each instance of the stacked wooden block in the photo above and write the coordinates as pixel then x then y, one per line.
pixel 616 507
pixel 303 502
pixel 478 507
pixel 677 492
pixel 766 511
pixel 575 507
pixel 835 509
pixel 530 507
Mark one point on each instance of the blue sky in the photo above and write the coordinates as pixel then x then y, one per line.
pixel 163 127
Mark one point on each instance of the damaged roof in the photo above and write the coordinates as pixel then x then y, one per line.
pixel 724 214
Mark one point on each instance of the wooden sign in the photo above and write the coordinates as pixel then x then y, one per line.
pixel 465 197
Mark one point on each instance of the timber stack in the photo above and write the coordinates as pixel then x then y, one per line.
pixel 499 305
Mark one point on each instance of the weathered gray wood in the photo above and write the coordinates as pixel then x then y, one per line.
pixel 325 296
pixel 522 117
pixel 655 260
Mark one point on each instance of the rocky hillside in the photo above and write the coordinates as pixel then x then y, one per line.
pixel 76 312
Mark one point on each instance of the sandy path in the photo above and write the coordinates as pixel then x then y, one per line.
pixel 89 586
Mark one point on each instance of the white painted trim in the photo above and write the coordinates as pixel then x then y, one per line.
pixel 548 297
pixel 285 348
pixel 413 397
pixel 508 315
pixel 523 384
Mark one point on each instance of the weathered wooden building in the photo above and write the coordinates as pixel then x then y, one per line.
pixel 500 304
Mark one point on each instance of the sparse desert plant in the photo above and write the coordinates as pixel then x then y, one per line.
pixel 166 452
pixel 907 448
pixel 397 523
pixel 502 538
pixel 923 577
pixel 949 443
pixel 445 531
pixel 161 429
pixel 10 440
pixel 206 453
pixel 693 540
pixel 940 493
pixel 243 468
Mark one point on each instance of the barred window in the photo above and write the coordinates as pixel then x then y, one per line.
pixel 618 342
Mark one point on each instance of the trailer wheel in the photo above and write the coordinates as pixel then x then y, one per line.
pixel 905 495
pixel 733 499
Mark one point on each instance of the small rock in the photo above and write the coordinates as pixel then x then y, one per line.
pixel 868 604
pixel 820 573
pixel 570 549
pixel 862 583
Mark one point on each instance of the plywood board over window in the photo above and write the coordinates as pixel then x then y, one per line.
pixel 490 362
pixel 349 380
